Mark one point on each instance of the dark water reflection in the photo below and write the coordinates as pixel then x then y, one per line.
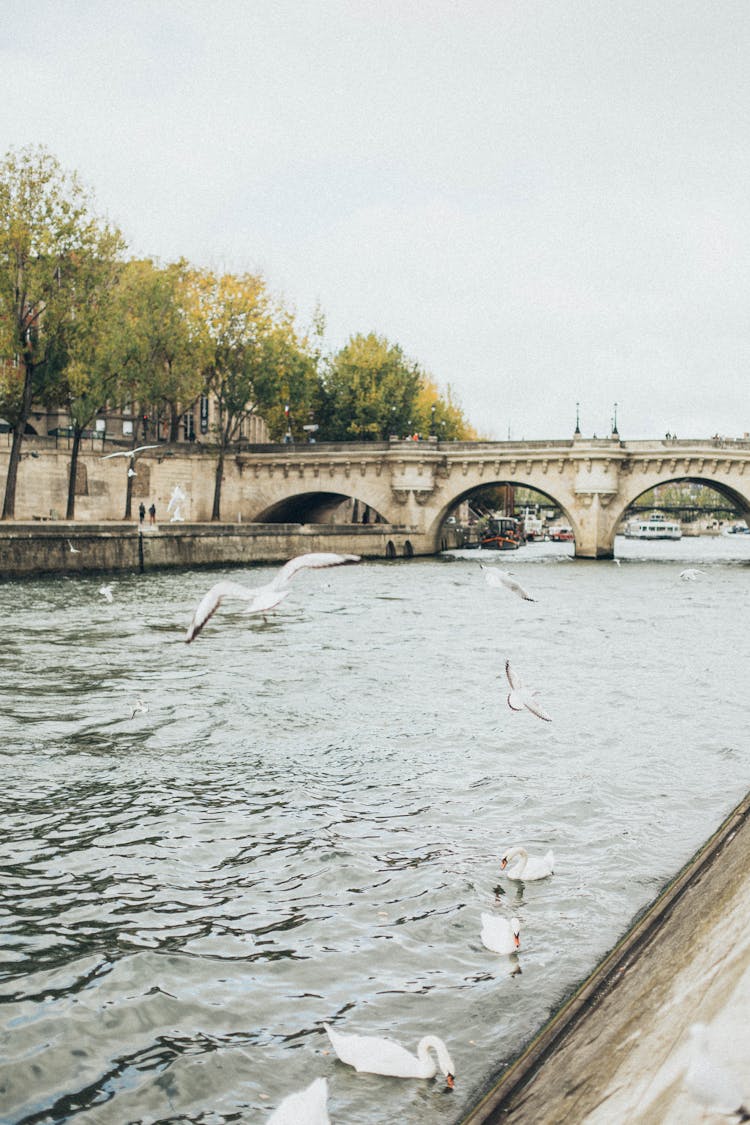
pixel 306 824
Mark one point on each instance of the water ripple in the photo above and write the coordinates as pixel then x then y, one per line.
pixel 307 823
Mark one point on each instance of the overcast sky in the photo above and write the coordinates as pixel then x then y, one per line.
pixel 541 201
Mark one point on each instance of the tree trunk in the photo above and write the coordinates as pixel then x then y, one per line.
pixel 174 423
pixel 70 511
pixel 216 513
pixel 9 503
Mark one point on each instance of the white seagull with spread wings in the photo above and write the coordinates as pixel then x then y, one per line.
pixel 131 453
pixel 262 598
pixel 520 697
pixel 128 452
pixel 499 578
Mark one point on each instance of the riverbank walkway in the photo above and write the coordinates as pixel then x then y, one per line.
pixel 616 1053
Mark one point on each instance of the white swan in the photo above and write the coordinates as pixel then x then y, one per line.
pixel 263 598
pixel 521 697
pixel 525 868
pixel 369 1054
pixel 710 1082
pixel 306 1107
pixel 500 935
pixel 498 578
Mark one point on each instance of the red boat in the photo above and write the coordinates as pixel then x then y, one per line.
pixel 503 534
pixel 561 534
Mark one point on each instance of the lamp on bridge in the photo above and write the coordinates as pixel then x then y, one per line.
pixel 614 423
pixel 578 419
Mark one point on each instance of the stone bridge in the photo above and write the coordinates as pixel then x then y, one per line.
pixel 415 485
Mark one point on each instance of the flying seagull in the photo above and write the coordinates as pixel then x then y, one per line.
pixel 140 707
pixel 499 578
pixel 128 452
pixel 73 550
pixel 691 574
pixel 521 697
pixel 262 598
pixel 106 592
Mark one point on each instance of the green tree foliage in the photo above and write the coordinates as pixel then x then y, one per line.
pixel 258 365
pixel 370 391
pixel 90 372
pixel 163 347
pixel 52 249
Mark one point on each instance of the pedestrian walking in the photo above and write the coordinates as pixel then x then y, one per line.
pixel 152 514
pixel 141 512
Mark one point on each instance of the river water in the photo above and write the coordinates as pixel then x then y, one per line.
pixel 306 824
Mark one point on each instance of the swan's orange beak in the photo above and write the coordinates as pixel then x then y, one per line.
pixel 517 940
pixel 503 863
pixel 450 1081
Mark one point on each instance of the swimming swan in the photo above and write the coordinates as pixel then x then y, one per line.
pixel 306 1107
pixel 526 869
pixel 500 935
pixel 369 1054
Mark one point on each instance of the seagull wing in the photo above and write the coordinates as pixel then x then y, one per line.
pixel 516 587
pixel 140 448
pixel 120 453
pixel 513 679
pixel 210 603
pixel 267 598
pixel 533 705
pixel 310 562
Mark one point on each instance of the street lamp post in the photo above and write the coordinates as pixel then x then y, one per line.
pixel 578 419
pixel 615 432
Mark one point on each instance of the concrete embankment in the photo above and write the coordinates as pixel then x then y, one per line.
pixel 28 549
pixel 616 1052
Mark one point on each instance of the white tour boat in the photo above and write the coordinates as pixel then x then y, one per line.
pixel 654 527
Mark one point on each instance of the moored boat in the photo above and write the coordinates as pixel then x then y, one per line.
pixel 656 526
pixel 503 533
pixel 561 533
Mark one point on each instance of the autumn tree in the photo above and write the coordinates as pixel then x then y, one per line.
pixel 166 350
pixel 440 415
pixel 370 390
pixel 257 365
pixel 51 248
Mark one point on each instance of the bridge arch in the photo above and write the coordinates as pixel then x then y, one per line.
pixel 314 507
pixel 636 488
pixel 467 491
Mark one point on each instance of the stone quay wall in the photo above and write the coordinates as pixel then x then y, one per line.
pixel 28 549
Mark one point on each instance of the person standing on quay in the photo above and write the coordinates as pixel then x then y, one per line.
pixel 141 512
pixel 152 514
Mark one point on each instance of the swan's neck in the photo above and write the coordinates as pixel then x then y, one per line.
pixel 520 856
pixel 433 1043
